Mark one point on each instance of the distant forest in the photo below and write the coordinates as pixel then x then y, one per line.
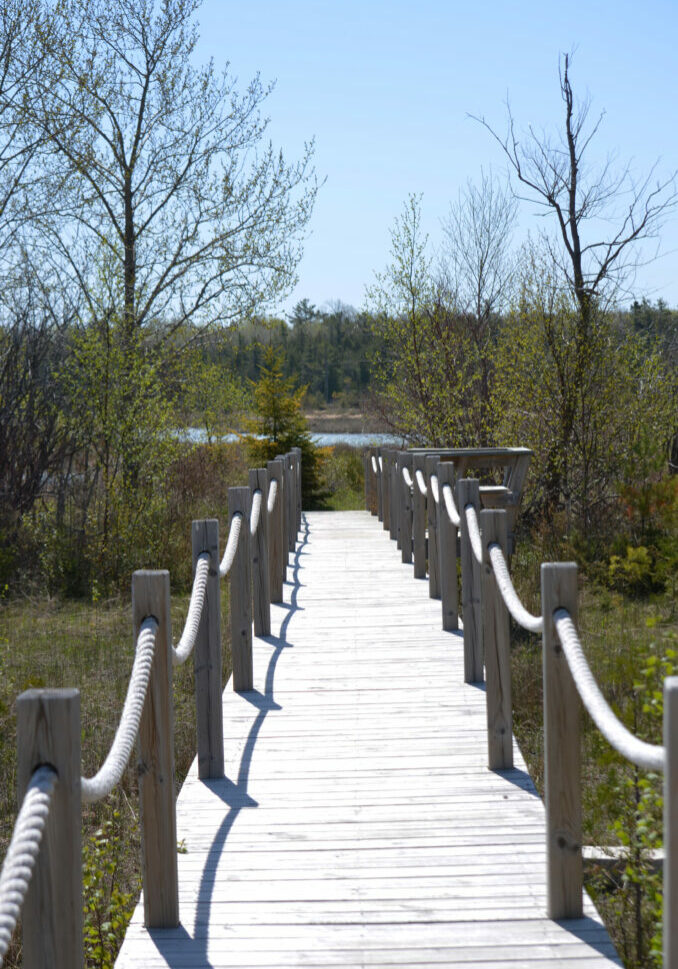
pixel 331 351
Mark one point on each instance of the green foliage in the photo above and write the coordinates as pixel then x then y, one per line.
pixel 637 903
pixel 343 477
pixel 427 366
pixel 215 395
pixel 108 906
pixel 634 573
pixel 586 400
pixel 280 425
pixel 122 404
pixel 325 350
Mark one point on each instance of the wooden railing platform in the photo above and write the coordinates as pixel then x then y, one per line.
pixel 358 823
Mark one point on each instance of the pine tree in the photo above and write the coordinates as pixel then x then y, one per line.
pixel 279 425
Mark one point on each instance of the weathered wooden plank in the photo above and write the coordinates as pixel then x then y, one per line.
pixel 358 824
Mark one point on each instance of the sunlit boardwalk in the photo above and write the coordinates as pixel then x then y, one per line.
pixel 358 824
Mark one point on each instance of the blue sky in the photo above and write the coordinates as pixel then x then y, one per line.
pixel 386 90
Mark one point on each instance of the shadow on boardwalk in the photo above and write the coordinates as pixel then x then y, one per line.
pixel 234 794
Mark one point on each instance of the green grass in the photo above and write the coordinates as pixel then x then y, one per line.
pixel 622 637
pixel 89 646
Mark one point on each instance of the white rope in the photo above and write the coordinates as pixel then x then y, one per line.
pixel 407 477
pixel 474 532
pixel 17 868
pixel 374 465
pixel 231 545
pixel 647 756
pixel 452 512
pixel 421 482
pixel 381 463
pixel 272 495
pixel 255 512
pixel 434 488
pixel 508 593
pixel 184 647
pixel 111 771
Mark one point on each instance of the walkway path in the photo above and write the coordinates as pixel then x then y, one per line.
pixel 358 824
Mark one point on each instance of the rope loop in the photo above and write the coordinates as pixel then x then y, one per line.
pixel 255 513
pixel 450 506
pixel 272 495
pixel 231 545
pixel 17 868
pixel 648 756
pixel 535 624
pixel 375 467
pixel 407 477
pixel 474 532
pixel 111 771
pixel 184 647
pixel 435 491
pixel 421 482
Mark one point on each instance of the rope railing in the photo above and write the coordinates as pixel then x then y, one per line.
pixel 534 624
pixel 650 757
pixel 184 647
pixel 272 495
pixel 474 532
pixel 255 513
pixel 49 729
pixel 450 506
pixel 407 477
pixel 17 868
pixel 226 563
pixel 110 773
pixel 488 599
pixel 375 467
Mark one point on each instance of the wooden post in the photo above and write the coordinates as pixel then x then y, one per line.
pixel 562 782
pixel 418 520
pixel 48 732
pixel 468 492
pixel 239 502
pixel 394 530
pixel 285 508
pixel 207 656
pixel 396 497
pixel 366 477
pixel 372 481
pixel 386 489
pixel 291 481
pixel 297 453
pixel 261 589
pixel 158 823
pixel 671 823
pixel 276 533
pixel 496 643
pixel 405 461
pixel 432 514
pixel 380 486
pixel 447 548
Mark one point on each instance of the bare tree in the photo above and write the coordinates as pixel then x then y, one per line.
pixel 18 143
pixel 160 199
pixel 555 172
pixel 478 270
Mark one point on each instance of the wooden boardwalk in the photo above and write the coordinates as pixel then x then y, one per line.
pixel 358 824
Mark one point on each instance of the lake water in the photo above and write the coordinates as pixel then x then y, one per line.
pixel 197 434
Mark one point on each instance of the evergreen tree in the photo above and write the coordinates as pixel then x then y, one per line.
pixel 280 425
